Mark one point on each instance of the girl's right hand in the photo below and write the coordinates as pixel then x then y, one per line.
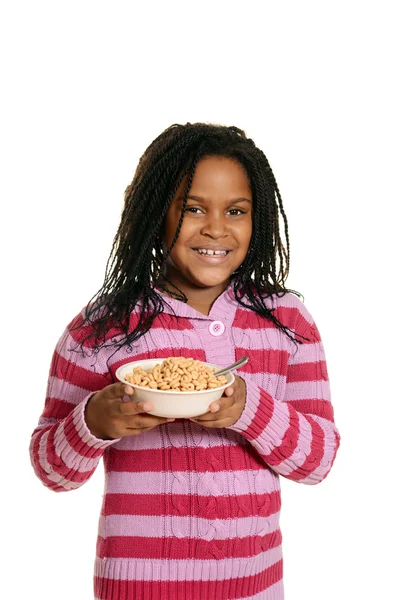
pixel 108 417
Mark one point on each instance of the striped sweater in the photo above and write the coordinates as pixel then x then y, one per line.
pixel 193 512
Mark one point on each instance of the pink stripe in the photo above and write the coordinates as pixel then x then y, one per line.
pixel 209 570
pixel 246 319
pixel 56 409
pixel 58 465
pixel 318 390
pixel 62 390
pixel 185 527
pixel 66 349
pixel 228 589
pixel 160 347
pixel 264 360
pixel 307 353
pixel 180 505
pixel 184 548
pixel 66 367
pixel 217 458
pixel 311 371
pixel 287 454
pixel 274 592
pixel 320 408
pixel 314 457
pixel 39 462
pixel 259 339
pixel 278 426
pixel 179 434
pixel 329 452
pixel 204 484
pixel 72 459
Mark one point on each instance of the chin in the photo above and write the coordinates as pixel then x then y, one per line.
pixel 209 282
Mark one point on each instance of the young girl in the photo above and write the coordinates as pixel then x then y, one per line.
pixel 191 506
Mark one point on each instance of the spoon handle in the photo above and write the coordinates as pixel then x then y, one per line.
pixel 235 365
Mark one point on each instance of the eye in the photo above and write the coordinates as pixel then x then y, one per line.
pixel 236 210
pixel 191 208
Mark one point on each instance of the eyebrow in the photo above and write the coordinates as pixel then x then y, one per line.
pixel 201 199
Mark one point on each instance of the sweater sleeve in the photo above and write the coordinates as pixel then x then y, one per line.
pixel 297 436
pixel 63 452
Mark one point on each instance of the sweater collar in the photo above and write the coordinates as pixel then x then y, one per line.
pixel 223 307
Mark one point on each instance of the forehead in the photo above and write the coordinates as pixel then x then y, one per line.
pixel 218 177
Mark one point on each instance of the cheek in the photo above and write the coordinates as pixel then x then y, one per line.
pixel 244 235
pixel 169 227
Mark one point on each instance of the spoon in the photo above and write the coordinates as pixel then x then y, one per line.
pixel 235 365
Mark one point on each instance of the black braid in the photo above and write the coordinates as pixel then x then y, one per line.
pixel 137 258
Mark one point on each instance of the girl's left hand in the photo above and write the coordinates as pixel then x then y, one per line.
pixel 227 410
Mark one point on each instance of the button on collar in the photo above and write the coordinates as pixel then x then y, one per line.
pixel 216 328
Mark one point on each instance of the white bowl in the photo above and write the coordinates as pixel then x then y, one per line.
pixel 173 405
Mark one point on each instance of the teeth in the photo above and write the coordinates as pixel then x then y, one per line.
pixel 211 252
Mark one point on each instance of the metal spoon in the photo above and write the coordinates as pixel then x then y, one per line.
pixel 235 365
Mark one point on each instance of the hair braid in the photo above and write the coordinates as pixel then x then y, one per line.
pixel 137 256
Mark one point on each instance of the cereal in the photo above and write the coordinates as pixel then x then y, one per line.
pixel 177 374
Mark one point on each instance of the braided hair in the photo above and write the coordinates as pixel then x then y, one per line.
pixel 135 265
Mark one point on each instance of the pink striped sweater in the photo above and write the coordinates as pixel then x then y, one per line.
pixel 192 512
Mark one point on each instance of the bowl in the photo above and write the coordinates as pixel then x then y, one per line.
pixel 169 404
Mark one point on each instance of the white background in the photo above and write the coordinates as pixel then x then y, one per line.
pixel 86 87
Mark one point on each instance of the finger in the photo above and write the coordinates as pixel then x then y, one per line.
pixel 214 416
pixel 229 391
pixel 134 407
pixel 117 390
pixel 233 387
pixel 222 404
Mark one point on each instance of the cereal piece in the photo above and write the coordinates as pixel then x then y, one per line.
pixel 177 373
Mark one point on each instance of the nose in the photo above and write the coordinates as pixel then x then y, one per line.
pixel 215 227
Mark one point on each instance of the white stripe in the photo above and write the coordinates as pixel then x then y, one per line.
pixel 329 446
pixel 58 479
pixel 186 569
pixel 308 353
pixel 303 390
pixel 257 481
pixel 184 527
pixel 63 390
pixel 181 434
pixel 274 592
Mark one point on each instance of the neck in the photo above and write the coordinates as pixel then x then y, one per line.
pixel 197 296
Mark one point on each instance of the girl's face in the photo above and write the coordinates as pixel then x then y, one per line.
pixel 218 216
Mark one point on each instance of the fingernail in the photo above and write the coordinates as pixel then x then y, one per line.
pixel 170 420
pixel 126 398
pixel 128 390
pixel 146 406
pixel 216 408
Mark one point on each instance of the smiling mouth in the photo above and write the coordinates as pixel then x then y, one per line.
pixel 211 253
pixel 212 259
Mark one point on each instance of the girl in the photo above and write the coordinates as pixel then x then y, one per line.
pixel 191 506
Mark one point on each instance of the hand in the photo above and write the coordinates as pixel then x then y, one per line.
pixel 227 410
pixel 109 417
